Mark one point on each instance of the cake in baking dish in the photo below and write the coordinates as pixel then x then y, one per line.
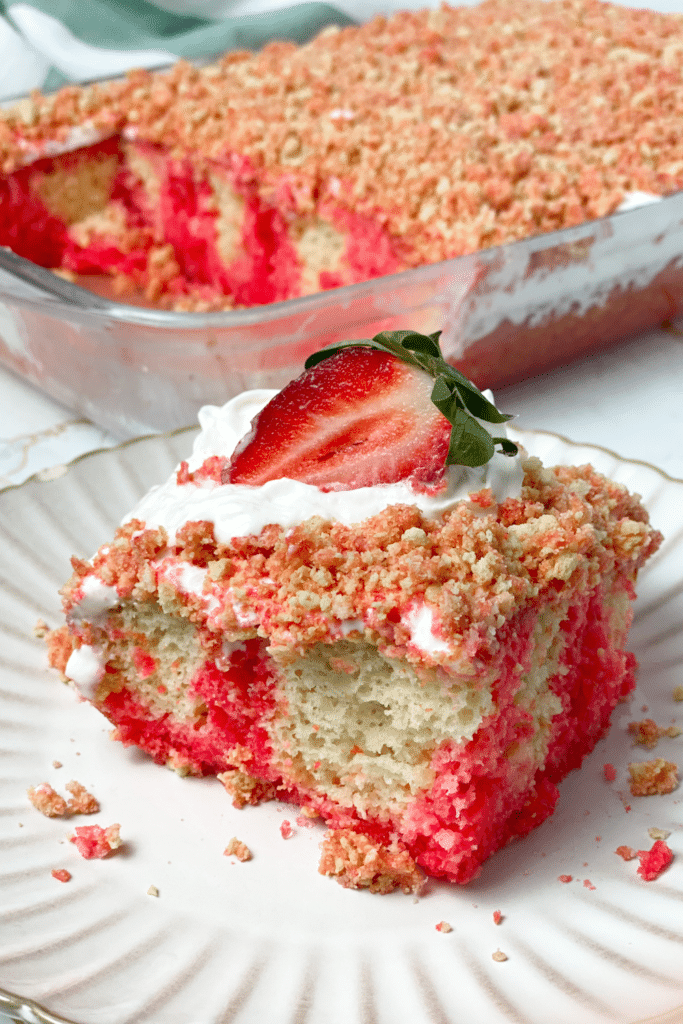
pixel 366 604
pixel 372 149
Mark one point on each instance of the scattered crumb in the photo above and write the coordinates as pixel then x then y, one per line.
pixel 647 733
pixel 245 789
pixel 499 956
pixel 652 777
pixel 654 861
pixel 443 926
pixel 497 917
pixel 81 801
pixel 47 801
pixel 658 833
pixel 565 878
pixel 61 874
pixel 356 862
pixel 93 842
pixel 626 852
pixel 286 829
pixel 587 884
pixel 610 772
pixel 152 891
pixel 236 848
pixel 678 693
pixel 41 629
pixel 56 764
pixel 598 839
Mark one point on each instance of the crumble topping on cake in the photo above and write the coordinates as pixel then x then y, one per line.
pixel 371 149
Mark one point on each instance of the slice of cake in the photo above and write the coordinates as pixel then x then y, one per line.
pixel 367 605
pixel 372 149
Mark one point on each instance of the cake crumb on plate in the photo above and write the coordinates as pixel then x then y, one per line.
pixel 626 852
pixel 95 842
pixel 499 956
pixel 61 874
pixel 654 861
pixel 81 801
pixel 444 926
pixel 236 848
pixel 152 891
pixel 658 833
pixel 46 800
pixel 650 778
pixel 646 732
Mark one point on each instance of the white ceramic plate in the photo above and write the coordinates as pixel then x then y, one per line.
pixel 270 941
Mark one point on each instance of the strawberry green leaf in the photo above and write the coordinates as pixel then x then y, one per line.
pixel 460 401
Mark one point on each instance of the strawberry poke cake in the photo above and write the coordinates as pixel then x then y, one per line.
pixel 371 149
pixel 359 596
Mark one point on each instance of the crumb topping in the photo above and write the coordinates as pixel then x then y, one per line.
pixel 472 568
pixel 455 128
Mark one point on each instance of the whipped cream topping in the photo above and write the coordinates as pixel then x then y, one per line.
pixel 85 668
pixel 237 510
pixel 420 622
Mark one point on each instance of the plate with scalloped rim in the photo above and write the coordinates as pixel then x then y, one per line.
pixel 270 939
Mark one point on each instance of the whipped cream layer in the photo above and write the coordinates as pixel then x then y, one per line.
pixel 238 510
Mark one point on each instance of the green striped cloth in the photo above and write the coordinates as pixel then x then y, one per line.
pixel 47 43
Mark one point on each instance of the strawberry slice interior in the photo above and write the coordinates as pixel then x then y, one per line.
pixel 361 417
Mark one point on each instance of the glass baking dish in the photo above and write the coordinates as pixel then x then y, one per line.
pixel 506 313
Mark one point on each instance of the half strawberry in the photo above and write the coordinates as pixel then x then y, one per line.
pixel 369 412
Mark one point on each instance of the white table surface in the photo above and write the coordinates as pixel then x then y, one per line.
pixel 627 399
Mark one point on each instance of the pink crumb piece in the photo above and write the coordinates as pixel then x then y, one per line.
pixel 610 772
pixel 61 874
pixel 654 861
pixel 497 917
pixel 627 852
pixel 565 878
pixel 304 822
pixel 587 884
pixel 286 829
pixel 443 926
pixel 93 841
